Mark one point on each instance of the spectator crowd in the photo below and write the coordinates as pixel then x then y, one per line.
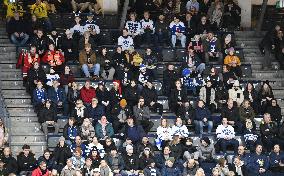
pixel 110 127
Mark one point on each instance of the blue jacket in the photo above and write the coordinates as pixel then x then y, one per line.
pixel 177 28
pixel 82 146
pixel 275 159
pixel 55 97
pixel 201 113
pixel 171 171
pixel 39 96
pixel 95 113
pixel 256 162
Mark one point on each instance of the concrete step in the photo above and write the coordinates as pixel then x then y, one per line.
pixel 8 66
pixel 248 33
pixel 27 125
pixel 257 39
pixel 245 43
pixel 7 49
pixel 254 59
pixel 24 129
pixel 8 56
pixel 266 75
pixel 21 112
pixel 12 60
pixel 24 119
pixel 17 101
pixel 254 65
pixel 11 75
pixel 16 83
pixel 251 51
pixel 15 95
pixel 28 139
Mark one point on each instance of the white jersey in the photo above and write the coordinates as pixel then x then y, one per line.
pixel 125 43
pixel 223 132
pixel 147 24
pixel 77 29
pixel 180 130
pixel 134 27
pixel 50 78
pixel 164 133
pixel 91 26
pixel 99 147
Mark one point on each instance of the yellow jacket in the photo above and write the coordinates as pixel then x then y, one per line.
pixel 135 58
pixel 230 59
pixel 39 11
pixel 12 7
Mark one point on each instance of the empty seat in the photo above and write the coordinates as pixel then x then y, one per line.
pixel 106 38
pixel 168 55
pixel 111 22
pixel 180 53
pixel 52 141
pixel 164 101
pixel 246 70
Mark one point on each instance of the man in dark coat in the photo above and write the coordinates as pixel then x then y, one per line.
pixel 61 153
pixel 26 160
pixel 10 162
pixel 170 75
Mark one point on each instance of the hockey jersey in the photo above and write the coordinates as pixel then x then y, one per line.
pixel 147 25
pixel 223 131
pixel 91 26
pixel 180 28
pixel 125 42
pixel 50 78
pixel 134 27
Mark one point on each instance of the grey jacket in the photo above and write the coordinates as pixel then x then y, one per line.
pixel 141 113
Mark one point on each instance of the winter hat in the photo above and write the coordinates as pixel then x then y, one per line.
pixel 119 86
pixel 186 72
pixel 230 49
pixel 128 147
pixel 94 149
pixel 206 139
pixel 147 148
pixel 142 66
pixel 61 138
pixel 101 83
pixel 172 159
pixel 122 103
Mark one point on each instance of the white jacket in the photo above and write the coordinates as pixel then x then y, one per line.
pixel 223 132
pixel 164 133
pixel 237 95
pixel 180 130
pixel 125 43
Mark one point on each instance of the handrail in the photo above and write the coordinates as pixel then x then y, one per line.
pixel 5 114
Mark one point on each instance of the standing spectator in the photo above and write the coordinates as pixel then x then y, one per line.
pixel 259 163
pixel 212 48
pixel 104 129
pixel 177 96
pixel 275 111
pixel 142 114
pixel 132 131
pixel 236 93
pixel 134 61
pixel 41 170
pixel 61 153
pixel 177 147
pixel 73 95
pixel 177 32
pixel 134 28
pixel 87 59
pixel 95 111
pixel 66 79
pixel 179 129
pixel 147 28
pixel 170 75
pixel 87 93
pixel 170 169
pixel 161 31
pixel 115 161
pixel 35 75
pixel 169 11
pixel 17 31
pixel 26 160
pixel 48 117
pixel 202 118
pixel 225 135
pixel 268 131
pixel 279 48
pixel 116 93
pixel 233 62
pixel 70 131
pixel 69 47
pixel 125 41
pixel 39 9
pixel 150 60
pixel 58 97
pixel 131 161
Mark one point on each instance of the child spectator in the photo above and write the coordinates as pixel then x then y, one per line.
pixel 177 32
pixel 134 28
pixel 233 62
pixel 147 28
pixel 125 41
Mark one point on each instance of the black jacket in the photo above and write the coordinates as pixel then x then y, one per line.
pixel 175 97
pixel 131 94
pixel 275 113
pixel 40 43
pixel 103 95
pixel 71 96
pixel 177 150
pixel 186 113
pixel 61 154
pixel 119 59
pixel 131 162
pixel 231 114
pixel 46 114
pixel 149 95
pixel 16 26
pixel 68 44
pixel 10 164
pixel 169 78
pixel 26 163
pixel 272 132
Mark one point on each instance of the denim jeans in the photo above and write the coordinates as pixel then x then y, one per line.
pixel 182 39
pixel 95 69
pixel 200 124
pixel 19 41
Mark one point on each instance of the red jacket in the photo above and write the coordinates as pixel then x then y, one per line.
pixel 66 79
pixel 87 94
pixel 26 61
pixel 37 172
pixel 53 58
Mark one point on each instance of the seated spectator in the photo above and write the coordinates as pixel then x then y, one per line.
pixel 69 168
pixel 39 9
pixel 265 95
pixel 124 75
pixel 161 31
pixel 246 112
pixel 186 112
pixel 146 156
pixel 275 111
pixel 79 144
pixel 95 157
pixel 243 155
pixel 81 5
pixel 177 96
pixel 69 47
pixel 196 45
pixel 238 167
pixel 216 17
pixel 61 153
pixel 144 144
pixel 134 61
pixel 228 42
pixel 51 76
pixel 221 97
pixel 259 163
pixel 151 169
pixel 161 157
pixel 76 28
pixel 276 158
pixel 106 63
pixel 60 6
pixel 150 61
pixel 86 39
pixel 48 117
pixel 203 27
pixel 236 93
pixel 34 24
pixel 143 77
pixel 212 48
pixel 120 114
pixel 88 62
pixel 108 145
pixel 119 59
pixel 190 82
pixel 91 26
pixel 193 62
pixel 268 132
pixel 95 111
pixel 189 150
pixel 227 77
pixel 202 118
pixel 164 134
pixel 70 131
pixel 104 97
pixel 104 168
pixel 26 160
pixel 232 15
pixel 231 112
pixel 214 77
pixel 54 38
pixel 66 79
pixel 177 29
pixel 39 96
pixel 116 93
pixel 41 170
pixel 48 159
pixel 170 169
pixel 251 138
pixel 170 76
pixel 251 94
pixel 17 31
pixel 73 95
pixel 87 168
pixel 209 101
pixel 147 28
pixel 131 161
pixel 142 115
pixel 104 129
pixel 205 151
pixel 169 10
pixel 279 48
pixel 115 162
pixel 222 166
pixel 131 93
pixel 134 28
pixel 179 129
pixel 77 160
pixel 58 97
pixel 35 75
pixel 225 136
pixel 87 93
pixel 233 62
pixel 150 96
pixel 40 42
pixel 189 5
pixel 96 145
pixel 190 167
pixel 133 131
pixel 54 58
pixel 87 130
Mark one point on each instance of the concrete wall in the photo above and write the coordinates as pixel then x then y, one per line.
pixel 246 6
pixel 109 6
